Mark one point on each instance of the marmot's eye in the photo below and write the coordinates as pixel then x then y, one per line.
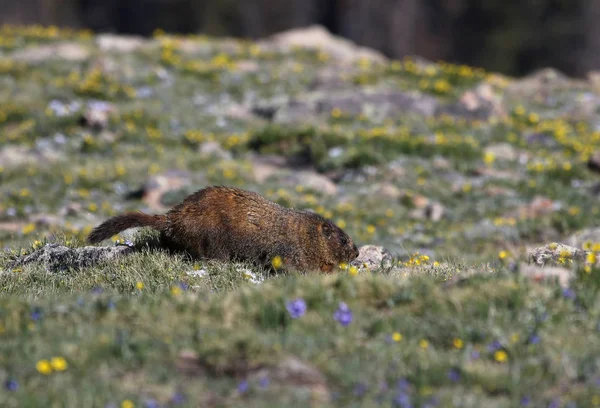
pixel 344 240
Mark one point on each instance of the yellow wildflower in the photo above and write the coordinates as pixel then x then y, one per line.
pixel 139 285
pixel 423 344
pixel 458 343
pixel 396 337
pixel 591 258
pixel 277 262
pixel 500 356
pixel 127 404
pixel 43 367
pixel 58 363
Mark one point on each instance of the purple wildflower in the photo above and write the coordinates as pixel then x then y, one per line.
pixel 243 387
pixel 534 339
pixel 264 381
pixel 525 401
pixel 433 402
pixel 454 375
pixel 494 346
pixel 11 385
pixel 178 398
pixel 403 400
pixel 97 290
pixel 403 384
pixel 183 285
pixel 150 403
pixel 343 314
pixel 296 308
pixel 360 389
pixel 568 293
pixel 555 403
pixel 475 355
pixel 36 314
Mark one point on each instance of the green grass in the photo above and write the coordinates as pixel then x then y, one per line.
pixel 125 341
pixel 421 328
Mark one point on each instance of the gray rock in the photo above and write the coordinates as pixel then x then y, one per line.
pixel 317 37
pixel 214 149
pixel 119 43
pixel 502 151
pixel 313 181
pixel 547 273
pixel 553 252
pixel 578 239
pixel 55 257
pixel 293 372
pixel 372 256
pixel 39 53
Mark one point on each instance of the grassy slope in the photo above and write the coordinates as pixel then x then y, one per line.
pixel 123 344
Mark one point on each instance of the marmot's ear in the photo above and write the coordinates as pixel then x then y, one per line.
pixel 327 230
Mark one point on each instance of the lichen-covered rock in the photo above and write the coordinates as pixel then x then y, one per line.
pixel 372 256
pixel 55 257
pixel 555 253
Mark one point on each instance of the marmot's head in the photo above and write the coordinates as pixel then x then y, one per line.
pixel 338 245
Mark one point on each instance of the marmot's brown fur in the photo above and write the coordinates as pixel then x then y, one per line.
pixel 230 224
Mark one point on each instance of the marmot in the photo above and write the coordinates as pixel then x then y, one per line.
pixel 231 224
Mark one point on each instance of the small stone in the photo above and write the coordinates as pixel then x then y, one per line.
pixel 119 43
pixel 214 149
pixel 502 151
pixel 372 256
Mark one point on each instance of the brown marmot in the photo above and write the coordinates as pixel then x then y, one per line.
pixel 230 224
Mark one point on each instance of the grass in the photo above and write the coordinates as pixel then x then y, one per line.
pixel 489 341
pixel 452 323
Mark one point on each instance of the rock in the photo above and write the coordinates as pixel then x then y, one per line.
pixel 494 173
pixel 546 273
pixel 388 190
pixel 15 156
pixel 433 211
pixel 159 184
pixel 589 235
pixel 483 99
pixel 371 257
pixel 317 37
pixel 265 166
pixel 537 207
pixel 502 151
pixel 11 226
pixel 188 363
pixel 312 181
pixel 119 43
pixel 56 258
pixel 378 104
pixel 214 149
pixel 97 114
pixel 68 51
pixel 554 252
pixel 293 372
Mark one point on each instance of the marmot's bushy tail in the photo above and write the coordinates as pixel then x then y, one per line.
pixel 119 223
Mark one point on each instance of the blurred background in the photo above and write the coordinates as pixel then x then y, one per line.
pixel 513 37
